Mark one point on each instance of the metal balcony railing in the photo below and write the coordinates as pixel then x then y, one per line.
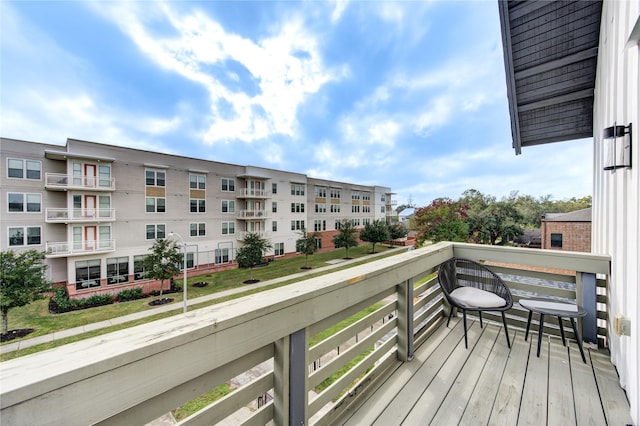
pixel 61 181
pixel 63 215
pixel 252 193
pixel 272 339
pixel 71 248
pixel 252 214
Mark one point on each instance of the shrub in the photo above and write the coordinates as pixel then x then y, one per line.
pixel 130 294
pixel 62 303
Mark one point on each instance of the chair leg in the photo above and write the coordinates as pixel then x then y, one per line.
pixel 464 319
pixel 506 331
pixel 564 342
pixel 480 314
pixel 451 308
pixel 526 334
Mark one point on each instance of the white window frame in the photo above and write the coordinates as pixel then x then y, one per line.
pixel 25 236
pixel 24 168
pixel 156 231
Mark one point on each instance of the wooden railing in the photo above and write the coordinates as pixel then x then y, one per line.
pixel 136 375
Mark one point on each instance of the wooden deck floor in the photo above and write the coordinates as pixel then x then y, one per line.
pixel 490 384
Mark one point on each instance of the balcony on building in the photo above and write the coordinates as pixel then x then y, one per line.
pixel 79 248
pixel 252 193
pixel 65 182
pixel 401 363
pixel 253 214
pixel 240 235
pixel 66 215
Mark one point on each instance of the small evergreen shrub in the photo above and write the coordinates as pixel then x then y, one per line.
pixel 130 294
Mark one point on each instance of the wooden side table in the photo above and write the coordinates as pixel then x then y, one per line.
pixel 557 309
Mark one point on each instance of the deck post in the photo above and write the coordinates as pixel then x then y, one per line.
pixel 280 381
pixel 586 285
pixel 298 350
pixel 405 320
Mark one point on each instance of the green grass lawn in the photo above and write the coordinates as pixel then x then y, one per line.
pixel 37 316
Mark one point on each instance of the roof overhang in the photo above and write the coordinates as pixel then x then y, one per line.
pixel 550 54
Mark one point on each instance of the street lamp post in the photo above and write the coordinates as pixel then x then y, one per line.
pixel 184 268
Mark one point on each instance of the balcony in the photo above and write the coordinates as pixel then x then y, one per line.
pixel 252 193
pixel 240 235
pixel 63 215
pixel 405 364
pixel 252 214
pixel 70 248
pixel 64 182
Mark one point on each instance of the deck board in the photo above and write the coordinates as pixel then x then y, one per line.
pixel 492 384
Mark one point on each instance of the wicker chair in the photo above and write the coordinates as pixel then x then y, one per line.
pixel 470 286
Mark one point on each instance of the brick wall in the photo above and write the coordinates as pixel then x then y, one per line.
pixel 576 236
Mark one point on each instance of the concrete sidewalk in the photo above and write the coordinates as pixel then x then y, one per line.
pixel 22 344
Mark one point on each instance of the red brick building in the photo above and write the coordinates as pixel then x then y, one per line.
pixel 567 231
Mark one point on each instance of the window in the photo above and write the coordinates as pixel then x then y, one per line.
pixel 366 209
pixel 228 185
pixel 104 237
pixel 222 255
pixel 556 240
pixel 228 228
pixel 355 222
pixel 319 225
pixel 87 274
pixel 355 195
pixel 156 231
pixel 197 229
pixel 155 178
pixel 297 225
pixel 138 267
pixel 297 207
pixel 156 205
pixel 190 262
pixel 321 192
pixel 19 202
pixel 366 196
pixel 278 249
pixel 337 225
pixel 197 181
pixel 382 209
pixel 197 206
pixel 274 207
pixel 318 243
pixel 335 193
pixel 321 208
pixel 24 169
pixel 366 221
pixel 17 236
pixel 274 226
pixel 104 176
pixel 335 208
pixel 117 270
pixel 355 209
pixel 297 189
pixel 274 188
pixel 228 206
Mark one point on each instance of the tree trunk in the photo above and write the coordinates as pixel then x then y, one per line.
pixel 161 286
pixel 5 321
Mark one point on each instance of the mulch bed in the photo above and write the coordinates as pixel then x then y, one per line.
pixel 15 334
pixel 253 281
pixel 161 301
pixel 200 284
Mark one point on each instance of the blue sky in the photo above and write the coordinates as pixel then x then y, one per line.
pixel 409 95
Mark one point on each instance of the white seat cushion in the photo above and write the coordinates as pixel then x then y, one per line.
pixel 474 297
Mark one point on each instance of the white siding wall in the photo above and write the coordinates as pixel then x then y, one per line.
pixel 616 195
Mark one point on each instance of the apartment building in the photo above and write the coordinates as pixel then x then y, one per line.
pixel 95 209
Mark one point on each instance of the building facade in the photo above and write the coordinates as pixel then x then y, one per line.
pixel 567 231
pixel 95 209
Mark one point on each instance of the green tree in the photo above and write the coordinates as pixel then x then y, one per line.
pixel 22 281
pixel 397 230
pixel 163 261
pixel 252 252
pixel 346 236
pixel 375 232
pixel 498 222
pixel 442 220
pixel 307 245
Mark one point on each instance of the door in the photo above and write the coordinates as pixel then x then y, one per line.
pixel 90 175
pixel 90 237
pixel 90 206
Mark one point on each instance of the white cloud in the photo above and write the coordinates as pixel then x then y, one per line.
pixel 285 67
pixel 338 10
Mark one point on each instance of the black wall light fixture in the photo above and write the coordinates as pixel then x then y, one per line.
pixel 617 144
